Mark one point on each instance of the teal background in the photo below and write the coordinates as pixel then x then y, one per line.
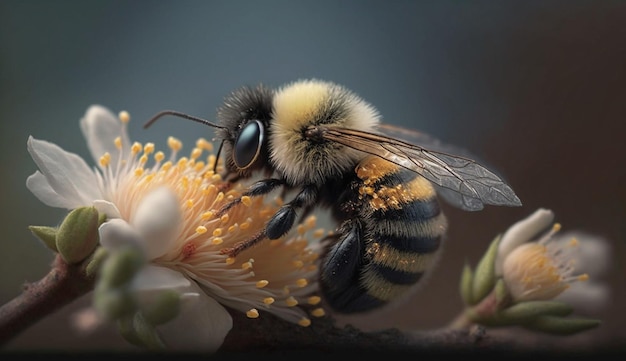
pixel 535 88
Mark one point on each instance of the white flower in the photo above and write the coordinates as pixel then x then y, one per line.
pixel 167 209
pixel 549 267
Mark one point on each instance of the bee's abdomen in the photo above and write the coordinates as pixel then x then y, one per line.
pixel 402 230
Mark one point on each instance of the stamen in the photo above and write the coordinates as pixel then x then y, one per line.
pixel 302 282
pixel 314 300
pixel 268 300
pixel 124 116
pixel 159 156
pixel 204 144
pixel 217 232
pixel 291 301
pixel 247 201
pixel 318 312
pixel 201 229
pixel 217 240
pixel 139 172
pixel 252 313
pixel 105 160
pixel 304 322
pixel 262 283
pixel 118 142
pixel 136 148
pixel 206 215
pixel 230 260
pixel 148 148
pixel 174 144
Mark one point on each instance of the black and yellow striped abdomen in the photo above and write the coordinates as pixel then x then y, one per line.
pixel 388 240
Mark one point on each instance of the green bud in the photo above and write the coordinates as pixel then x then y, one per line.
pixel 48 235
pixel 97 259
pixel 147 333
pixel 561 326
pixel 502 294
pixel 120 266
pixel 164 308
pixel 524 312
pixel 485 274
pixel 126 328
pixel 466 285
pixel 78 236
pixel 113 303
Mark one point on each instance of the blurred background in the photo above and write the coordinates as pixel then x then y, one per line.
pixel 535 88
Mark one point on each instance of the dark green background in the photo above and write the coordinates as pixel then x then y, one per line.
pixel 536 88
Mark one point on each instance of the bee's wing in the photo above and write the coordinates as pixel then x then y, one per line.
pixel 460 180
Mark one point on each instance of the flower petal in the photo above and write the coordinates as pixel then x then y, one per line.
pixel 107 208
pixel 593 254
pixel 522 232
pixel 67 173
pixel 201 325
pixel 116 233
pixel 100 128
pixel 586 296
pixel 155 278
pixel 39 186
pixel 157 219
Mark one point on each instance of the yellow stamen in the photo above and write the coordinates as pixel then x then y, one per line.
pixel 204 144
pixel 136 148
pixel 217 240
pixel 138 172
pixel 314 300
pixel 230 260
pixel 252 313
pixel 217 232
pixel 195 153
pixel 302 282
pixel 118 142
pixel 148 148
pixel 262 283
pixel 291 301
pixel 247 201
pixel 318 312
pixel 124 116
pixel 206 215
pixel 159 156
pixel 105 160
pixel 304 322
pixel 201 229
pixel 268 300
pixel 174 144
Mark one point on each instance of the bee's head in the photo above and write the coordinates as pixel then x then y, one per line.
pixel 245 116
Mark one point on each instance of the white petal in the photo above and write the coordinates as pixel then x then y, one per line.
pixel 522 232
pixel 201 326
pixel 116 233
pixel 156 278
pixel 586 296
pixel 100 128
pixel 107 208
pixel 39 186
pixel 593 254
pixel 157 219
pixel 67 173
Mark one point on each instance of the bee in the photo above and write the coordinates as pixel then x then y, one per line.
pixel 325 143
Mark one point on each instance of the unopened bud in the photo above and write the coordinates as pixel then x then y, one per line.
pixel 78 235
pixel 164 308
pixel 48 235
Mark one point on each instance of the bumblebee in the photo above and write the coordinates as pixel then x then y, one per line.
pixel 325 143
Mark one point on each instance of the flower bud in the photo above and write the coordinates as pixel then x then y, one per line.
pixel 78 235
pixel 120 267
pixel 48 235
pixel 524 312
pixel 466 285
pixel 113 303
pixel 485 275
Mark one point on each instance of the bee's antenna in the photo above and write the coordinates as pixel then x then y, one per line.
pixel 181 115
pixel 217 156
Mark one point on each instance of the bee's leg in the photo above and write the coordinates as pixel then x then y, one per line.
pixel 257 189
pixel 339 274
pixel 283 220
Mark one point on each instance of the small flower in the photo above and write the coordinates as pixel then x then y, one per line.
pixel 533 278
pixel 167 210
pixel 538 267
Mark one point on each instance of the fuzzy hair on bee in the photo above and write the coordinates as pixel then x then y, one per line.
pixel 329 146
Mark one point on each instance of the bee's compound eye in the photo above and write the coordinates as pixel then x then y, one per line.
pixel 248 144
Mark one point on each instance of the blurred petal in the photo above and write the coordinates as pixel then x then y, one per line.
pixel 117 232
pixel 594 253
pixel 522 232
pixel 201 326
pixel 100 128
pixel 108 208
pixel 39 186
pixel 67 173
pixel 155 278
pixel 587 296
pixel 157 219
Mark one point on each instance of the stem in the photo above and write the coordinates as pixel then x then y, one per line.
pixel 63 284
pixel 460 322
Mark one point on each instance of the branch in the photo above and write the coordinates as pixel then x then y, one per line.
pixel 62 285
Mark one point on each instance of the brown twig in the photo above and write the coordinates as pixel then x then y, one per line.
pixel 63 284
